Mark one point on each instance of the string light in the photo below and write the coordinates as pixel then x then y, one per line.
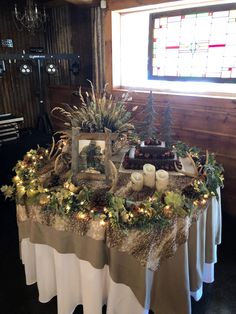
pixel 67 185
pixel 81 215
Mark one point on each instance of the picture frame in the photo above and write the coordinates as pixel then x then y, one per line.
pixel 91 151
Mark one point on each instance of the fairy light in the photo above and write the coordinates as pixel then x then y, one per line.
pixel 206 196
pixel 102 222
pixel 17 178
pixel 82 203
pixel 66 185
pixel 203 201
pixel 81 215
pixel 41 157
pixel 195 203
pixel 105 210
pixel 91 211
pixel 141 210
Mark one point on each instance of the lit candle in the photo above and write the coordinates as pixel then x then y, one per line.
pixel 162 180
pixel 149 175
pixel 137 181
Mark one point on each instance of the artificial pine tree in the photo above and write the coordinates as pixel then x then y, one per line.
pixel 166 132
pixel 147 128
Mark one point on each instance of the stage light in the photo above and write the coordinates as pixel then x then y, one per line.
pixel 25 69
pixel 75 68
pixel 51 68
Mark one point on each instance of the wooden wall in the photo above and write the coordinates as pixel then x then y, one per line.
pixel 17 92
pixel 68 31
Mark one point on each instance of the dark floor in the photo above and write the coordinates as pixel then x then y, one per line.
pixel 17 298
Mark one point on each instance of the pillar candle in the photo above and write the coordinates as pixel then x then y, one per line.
pixel 149 175
pixel 137 181
pixel 132 152
pixel 162 180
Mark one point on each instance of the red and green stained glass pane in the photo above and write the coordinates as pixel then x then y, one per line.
pixel 201 45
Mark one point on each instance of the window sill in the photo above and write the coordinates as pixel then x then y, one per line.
pixel 177 93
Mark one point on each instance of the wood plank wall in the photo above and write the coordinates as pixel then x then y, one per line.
pixel 17 92
pixel 68 30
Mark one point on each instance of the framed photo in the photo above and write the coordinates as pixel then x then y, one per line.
pixel 91 153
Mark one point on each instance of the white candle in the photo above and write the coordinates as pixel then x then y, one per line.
pixel 132 152
pixel 162 180
pixel 149 175
pixel 137 181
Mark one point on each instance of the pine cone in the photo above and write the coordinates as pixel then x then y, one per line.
pixel 99 198
pixel 189 192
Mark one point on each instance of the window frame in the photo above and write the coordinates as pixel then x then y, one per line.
pixel 116 8
pixel 206 9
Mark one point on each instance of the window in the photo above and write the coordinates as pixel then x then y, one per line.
pixel 130 48
pixel 197 44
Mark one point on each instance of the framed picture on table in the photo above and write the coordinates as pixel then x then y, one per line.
pixel 91 153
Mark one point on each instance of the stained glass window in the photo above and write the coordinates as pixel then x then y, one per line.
pixel 196 45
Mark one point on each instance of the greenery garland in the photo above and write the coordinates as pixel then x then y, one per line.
pixel 156 211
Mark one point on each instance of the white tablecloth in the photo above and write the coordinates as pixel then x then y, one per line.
pixel 76 281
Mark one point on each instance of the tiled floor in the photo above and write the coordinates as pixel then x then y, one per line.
pixel 17 298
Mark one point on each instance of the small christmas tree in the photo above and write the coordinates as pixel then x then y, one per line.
pixel 147 128
pixel 166 132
